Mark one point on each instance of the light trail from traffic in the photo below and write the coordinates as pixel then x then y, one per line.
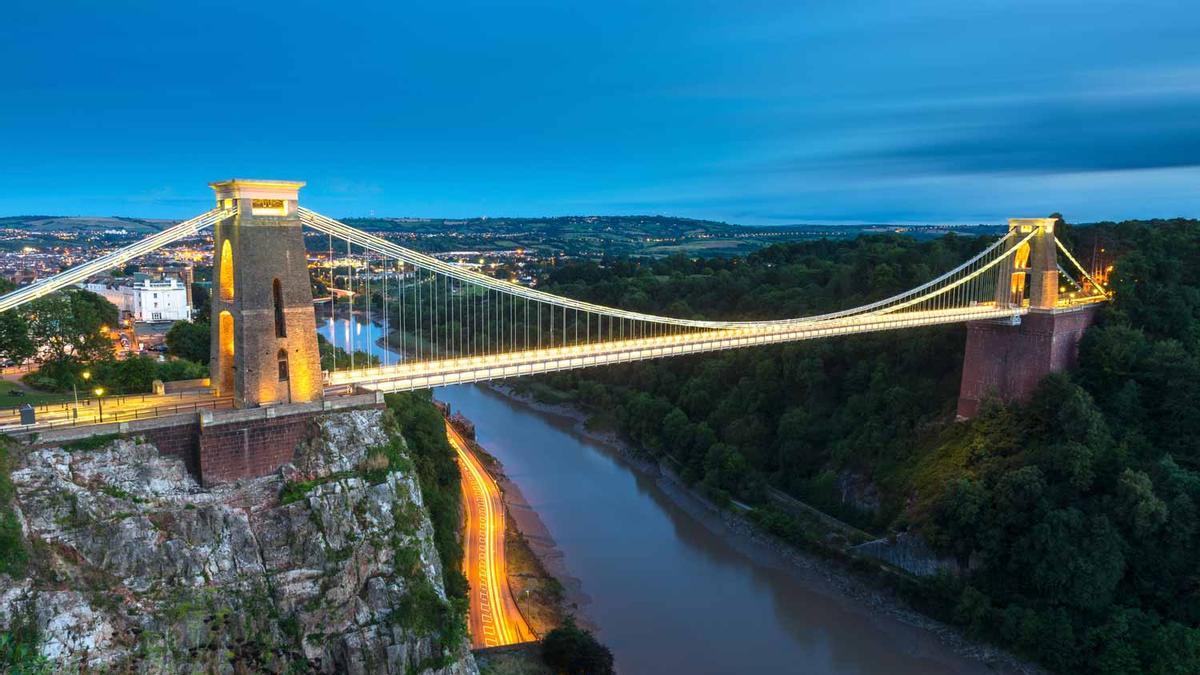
pixel 495 620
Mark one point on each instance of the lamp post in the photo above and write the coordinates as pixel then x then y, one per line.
pixel 99 392
pixel 86 375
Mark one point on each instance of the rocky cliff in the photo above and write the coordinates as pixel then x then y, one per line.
pixel 326 566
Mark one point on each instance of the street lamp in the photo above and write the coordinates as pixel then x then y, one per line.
pixel 99 391
pixel 86 375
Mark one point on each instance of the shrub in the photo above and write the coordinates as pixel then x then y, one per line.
pixel 13 554
pixel 571 649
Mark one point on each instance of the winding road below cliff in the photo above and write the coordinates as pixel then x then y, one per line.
pixel 494 619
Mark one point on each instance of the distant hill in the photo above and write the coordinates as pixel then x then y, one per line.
pixel 83 224
pixel 577 236
pixel 643 235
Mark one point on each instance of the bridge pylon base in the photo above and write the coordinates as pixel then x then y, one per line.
pixel 1007 361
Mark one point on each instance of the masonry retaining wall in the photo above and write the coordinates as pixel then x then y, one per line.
pixel 221 446
pixel 1008 361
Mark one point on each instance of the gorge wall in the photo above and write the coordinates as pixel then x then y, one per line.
pixel 327 565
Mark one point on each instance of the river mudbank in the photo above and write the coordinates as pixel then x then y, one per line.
pixel 826 574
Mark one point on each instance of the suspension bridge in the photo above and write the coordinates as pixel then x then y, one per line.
pixel 450 324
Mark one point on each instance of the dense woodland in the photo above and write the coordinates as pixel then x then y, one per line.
pixel 1076 515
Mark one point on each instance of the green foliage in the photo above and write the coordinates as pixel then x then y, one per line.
pixel 91 442
pixel 57 375
pixel 794 416
pixel 571 649
pixel 69 323
pixel 16 345
pixel 13 552
pixel 201 302
pixel 19 643
pixel 19 654
pixel 294 491
pixel 134 375
pixel 422 425
pixel 384 460
pixel 421 609
pixel 1077 514
pixel 180 369
pixel 131 376
pixel 189 340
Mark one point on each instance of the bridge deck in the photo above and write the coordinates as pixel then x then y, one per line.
pixel 421 375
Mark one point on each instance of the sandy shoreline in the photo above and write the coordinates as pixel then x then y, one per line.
pixel 827 575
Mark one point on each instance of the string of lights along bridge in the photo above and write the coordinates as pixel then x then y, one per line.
pixel 453 324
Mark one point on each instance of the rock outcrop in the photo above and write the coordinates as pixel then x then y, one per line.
pixel 328 565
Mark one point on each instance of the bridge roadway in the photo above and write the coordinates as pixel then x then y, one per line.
pixel 426 374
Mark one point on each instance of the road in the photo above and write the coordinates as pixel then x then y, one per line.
pixel 494 618
pixel 122 408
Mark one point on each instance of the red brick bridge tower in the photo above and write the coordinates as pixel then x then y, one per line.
pixel 1007 359
pixel 264 341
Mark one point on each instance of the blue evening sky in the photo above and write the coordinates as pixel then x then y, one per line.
pixel 750 112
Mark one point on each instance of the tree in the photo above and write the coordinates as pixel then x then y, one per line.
pixel 181 369
pixel 201 303
pixel 69 324
pixel 1142 509
pixel 1070 558
pixel 189 341
pixel 131 376
pixel 572 650
pixel 1076 514
pixel 958 518
pixel 15 343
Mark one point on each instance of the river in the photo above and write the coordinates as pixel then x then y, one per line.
pixel 357 335
pixel 671 588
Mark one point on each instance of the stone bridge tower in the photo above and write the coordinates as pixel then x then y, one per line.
pixel 264 341
pixel 1007 359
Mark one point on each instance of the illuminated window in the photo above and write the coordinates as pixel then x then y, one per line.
pixel 277 296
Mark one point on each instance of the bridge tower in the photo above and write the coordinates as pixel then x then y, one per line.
pixel 264 342
pixel 1031 274
pixel 1007 359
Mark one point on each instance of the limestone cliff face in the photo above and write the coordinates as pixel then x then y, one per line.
pixel 136 567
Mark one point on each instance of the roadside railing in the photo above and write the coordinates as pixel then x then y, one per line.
pixel 121 399
pixel 147 412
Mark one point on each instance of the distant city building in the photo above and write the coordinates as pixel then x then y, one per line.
pixel 146 300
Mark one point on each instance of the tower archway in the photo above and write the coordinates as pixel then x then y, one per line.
pixel 226 276
pixel 225 352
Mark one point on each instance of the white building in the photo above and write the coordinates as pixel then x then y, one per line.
pixel 147 300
